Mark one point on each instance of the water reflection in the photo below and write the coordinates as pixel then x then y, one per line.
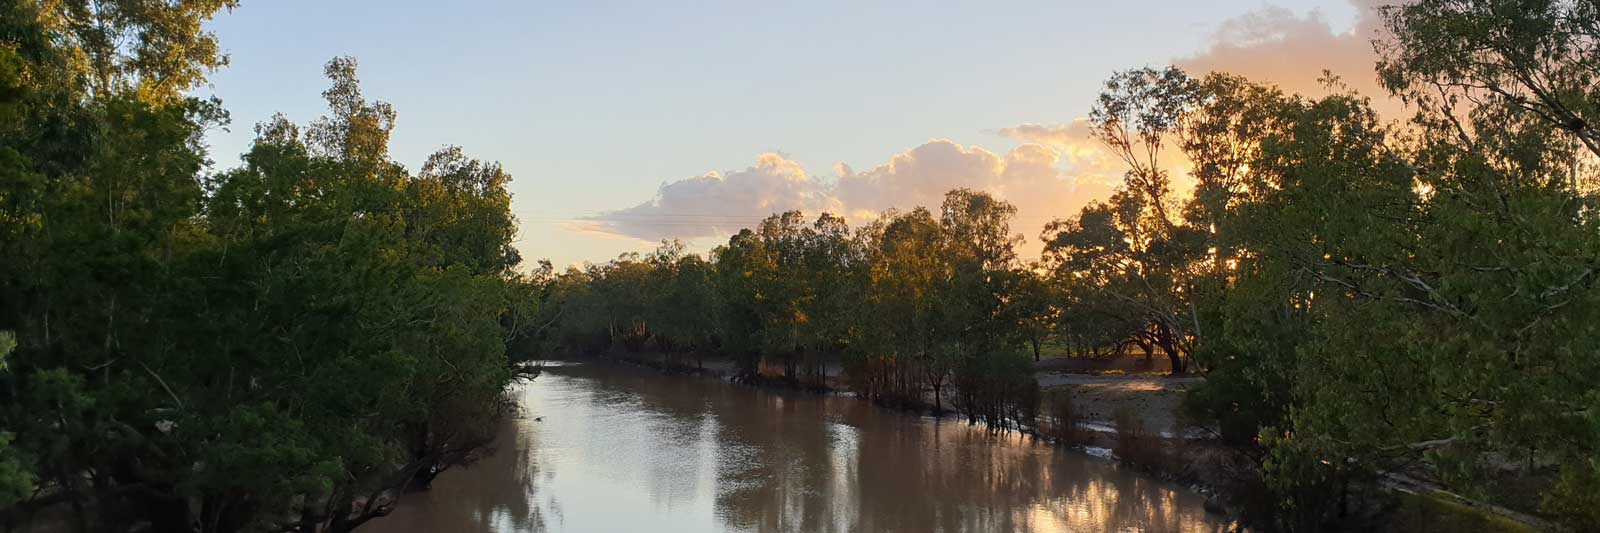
pixel 626 450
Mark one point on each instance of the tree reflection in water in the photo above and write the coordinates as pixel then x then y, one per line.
pixel 621 449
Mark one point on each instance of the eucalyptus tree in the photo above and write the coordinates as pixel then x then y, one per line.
pixel 978 249
pixel 740 266
pixel 1033 300
pixel 1392 295
pixel 833 270
pixel 99 159
pixel 1133 247
pixel 364 308
pixel 899 348
pixel 681 301
pixel 1485 310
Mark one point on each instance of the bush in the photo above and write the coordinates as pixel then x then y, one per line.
pixel 1575 499
pixel 999 390
pixel 1061 422
pixel 1136 445
pixel 1310 481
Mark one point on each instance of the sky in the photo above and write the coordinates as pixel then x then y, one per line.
pixel 626 123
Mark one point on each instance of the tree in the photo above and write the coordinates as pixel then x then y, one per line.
pixel 1031 300
pixel 1532 59
pixel 1132 248
pixel 900 346
pixel 738 265
pixel 351 340
pixel 1396 300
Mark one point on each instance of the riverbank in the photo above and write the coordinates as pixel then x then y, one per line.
pixel 1099 386
pixel 1108 400
pixel 1103 409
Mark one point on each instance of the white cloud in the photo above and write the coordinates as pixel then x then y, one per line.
pixel 716 205
pixel 919 176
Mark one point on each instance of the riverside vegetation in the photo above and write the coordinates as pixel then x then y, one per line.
pixel 1365 298
pixel 284 346
pixel 290 344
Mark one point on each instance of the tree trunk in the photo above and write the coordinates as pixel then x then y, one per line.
pixel 1173 355
pixel 1166 340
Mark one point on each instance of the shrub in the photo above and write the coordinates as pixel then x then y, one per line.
pixel 1061 422
pixel 1135 444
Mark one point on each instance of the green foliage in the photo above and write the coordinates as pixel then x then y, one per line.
pixel 1427 513
pixel 1133 264
pixel 1411 298
pixel 152 50
pixel 1572 497
pixel 907 306
pixel 1391 298
pixel 1308 479
pixel 260 349
pixel 16 478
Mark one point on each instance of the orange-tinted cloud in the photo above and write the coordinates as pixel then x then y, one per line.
pixel 1031 177
pixel 1054 172
pixel 1276 45
pixel 1083 157
pixel 716 204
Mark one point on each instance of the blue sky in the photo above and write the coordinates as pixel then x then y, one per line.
pixel 594 106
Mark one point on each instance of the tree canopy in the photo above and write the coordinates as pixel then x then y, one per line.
pixel 285 345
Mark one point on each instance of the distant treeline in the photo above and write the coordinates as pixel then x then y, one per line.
pixel 1364 297
pixel 910 303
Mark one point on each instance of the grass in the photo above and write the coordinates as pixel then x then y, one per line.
pixel 1421 513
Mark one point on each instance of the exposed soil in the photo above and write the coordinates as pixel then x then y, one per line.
pixel 1115 364
pixel 1154 396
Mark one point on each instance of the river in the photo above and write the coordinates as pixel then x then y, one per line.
pixel 607 448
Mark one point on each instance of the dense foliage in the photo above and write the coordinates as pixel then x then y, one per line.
pixel 283 346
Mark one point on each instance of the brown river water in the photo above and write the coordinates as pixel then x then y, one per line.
pixel 621 449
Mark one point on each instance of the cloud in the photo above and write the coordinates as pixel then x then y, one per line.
pixel 1055 170
pixel 1049 135
pixel 919 176
pixel 1030 176
pixel 716 205
pixel 1273 44
pixel 1082 156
